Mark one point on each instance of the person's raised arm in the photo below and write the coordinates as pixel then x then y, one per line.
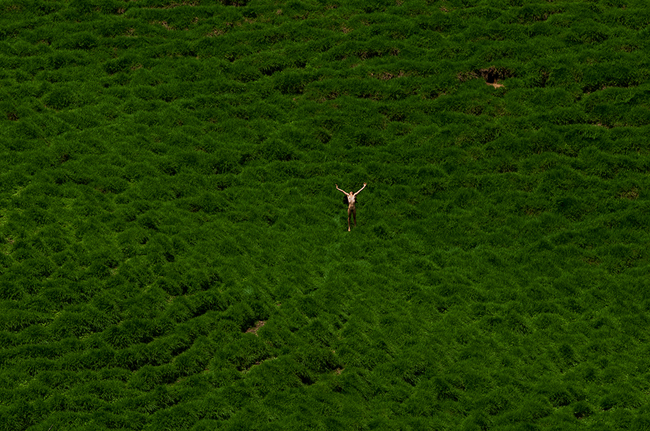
pixel 364 186
pixel 342 191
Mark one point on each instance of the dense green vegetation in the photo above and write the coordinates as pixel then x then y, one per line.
pixel 173 253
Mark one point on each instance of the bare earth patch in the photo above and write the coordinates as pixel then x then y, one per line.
pixel 216 32
pixel 385 76
pixel 164 24
pixel 175 5
pixel 257 327
pixel 633 193
pixel 492 75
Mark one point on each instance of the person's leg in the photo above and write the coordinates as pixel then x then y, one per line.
pixel 348 219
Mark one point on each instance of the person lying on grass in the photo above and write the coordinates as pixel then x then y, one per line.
pixel 352 209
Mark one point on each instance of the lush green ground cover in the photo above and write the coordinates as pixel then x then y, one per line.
pixel 167 183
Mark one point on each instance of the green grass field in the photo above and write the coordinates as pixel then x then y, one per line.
pixel 174 254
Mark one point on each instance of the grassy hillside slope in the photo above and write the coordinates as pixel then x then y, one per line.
pixel 174 255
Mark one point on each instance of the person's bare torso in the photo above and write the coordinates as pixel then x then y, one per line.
pixel 351 200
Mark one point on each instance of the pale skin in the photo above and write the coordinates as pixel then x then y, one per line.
pixel 352 209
